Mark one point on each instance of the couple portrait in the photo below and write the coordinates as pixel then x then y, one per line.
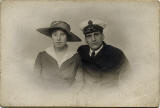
pixel 95 62
pixel 79 53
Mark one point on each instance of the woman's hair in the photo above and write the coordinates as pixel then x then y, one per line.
pixel 54 30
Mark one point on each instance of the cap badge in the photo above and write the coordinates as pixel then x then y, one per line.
pixel 90 22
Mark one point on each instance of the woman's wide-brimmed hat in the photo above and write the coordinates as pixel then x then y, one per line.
pixel 55 25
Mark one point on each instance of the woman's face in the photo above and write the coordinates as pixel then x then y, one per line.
pixel 59 38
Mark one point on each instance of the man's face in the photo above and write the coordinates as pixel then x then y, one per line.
pixel 94 40
pixel 59 38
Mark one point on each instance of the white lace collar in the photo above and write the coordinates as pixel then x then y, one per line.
pixel 68 54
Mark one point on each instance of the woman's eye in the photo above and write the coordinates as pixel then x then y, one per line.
pixel 54 34
pixel 88 35
pixel 62 34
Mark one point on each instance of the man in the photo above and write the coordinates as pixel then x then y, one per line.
pixel 101 63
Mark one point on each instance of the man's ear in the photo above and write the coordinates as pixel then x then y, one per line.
pixel 102 36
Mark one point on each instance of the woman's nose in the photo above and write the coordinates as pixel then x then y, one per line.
pixel 58 38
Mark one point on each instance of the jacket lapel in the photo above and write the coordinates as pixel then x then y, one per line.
pixel 85 54
pixel 100 54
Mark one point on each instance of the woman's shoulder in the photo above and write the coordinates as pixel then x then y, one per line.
pixel 72 54
pixel 75 55
pixel 41 53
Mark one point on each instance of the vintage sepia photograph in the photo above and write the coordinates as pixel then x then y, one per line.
pixel 77 53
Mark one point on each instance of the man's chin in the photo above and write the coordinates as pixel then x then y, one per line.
pixel 94 48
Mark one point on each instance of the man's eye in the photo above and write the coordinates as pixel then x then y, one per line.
pixel 96 34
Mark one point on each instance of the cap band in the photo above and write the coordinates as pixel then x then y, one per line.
pixel 92 28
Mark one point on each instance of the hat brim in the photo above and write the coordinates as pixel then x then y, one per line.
pixel 71 37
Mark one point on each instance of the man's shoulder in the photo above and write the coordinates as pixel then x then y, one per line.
pixel 112 50
pixel 83 48
pixel 115 56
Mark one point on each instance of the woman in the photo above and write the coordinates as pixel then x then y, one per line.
pixel 57 65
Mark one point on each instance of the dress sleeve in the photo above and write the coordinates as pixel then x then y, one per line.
pixel 38 64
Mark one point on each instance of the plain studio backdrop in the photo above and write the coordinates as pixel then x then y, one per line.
pixel 132 26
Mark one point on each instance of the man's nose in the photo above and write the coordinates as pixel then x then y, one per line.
pixel 93 38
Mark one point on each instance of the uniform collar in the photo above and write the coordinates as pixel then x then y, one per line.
pixel 96 51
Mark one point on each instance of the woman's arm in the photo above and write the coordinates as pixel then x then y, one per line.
pixel 38 64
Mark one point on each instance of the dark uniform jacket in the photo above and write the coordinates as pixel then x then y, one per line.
pixel 106 65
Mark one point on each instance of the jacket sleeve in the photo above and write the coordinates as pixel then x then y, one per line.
pixel 76 65
pixel 79 78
